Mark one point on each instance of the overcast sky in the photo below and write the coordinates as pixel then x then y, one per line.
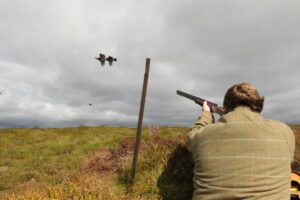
pixel 48 74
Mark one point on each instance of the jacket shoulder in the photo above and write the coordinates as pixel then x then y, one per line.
pixel 278 124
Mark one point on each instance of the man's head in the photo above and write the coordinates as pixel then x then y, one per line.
pixel 243 94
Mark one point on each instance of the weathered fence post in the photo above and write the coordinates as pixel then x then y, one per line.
pixel 140 121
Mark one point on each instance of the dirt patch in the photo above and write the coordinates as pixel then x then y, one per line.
pixel 101 163
pixel 105 161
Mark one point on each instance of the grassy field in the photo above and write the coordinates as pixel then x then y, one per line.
pixel 82 163
pixel 86 162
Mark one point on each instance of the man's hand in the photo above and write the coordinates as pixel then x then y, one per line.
pixel 206 107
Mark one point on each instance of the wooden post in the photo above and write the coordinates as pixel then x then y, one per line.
pixel 140 121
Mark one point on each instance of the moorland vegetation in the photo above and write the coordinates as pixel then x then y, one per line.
pixel 95 162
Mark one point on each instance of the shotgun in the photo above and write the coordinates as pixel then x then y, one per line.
pixel 213 106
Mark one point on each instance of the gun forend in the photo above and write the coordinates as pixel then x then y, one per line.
pixel 213 106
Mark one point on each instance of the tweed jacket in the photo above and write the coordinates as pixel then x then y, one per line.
pixel 242 156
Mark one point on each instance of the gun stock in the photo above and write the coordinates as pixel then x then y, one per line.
pixel 213 106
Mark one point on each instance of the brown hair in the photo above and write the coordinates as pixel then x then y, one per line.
pixel 243 94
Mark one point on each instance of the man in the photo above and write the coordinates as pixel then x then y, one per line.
pixel 243 155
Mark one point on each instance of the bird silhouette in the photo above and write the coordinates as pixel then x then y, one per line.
pixel 102 58
pixel 111 60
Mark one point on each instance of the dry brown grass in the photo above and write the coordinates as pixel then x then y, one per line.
pixel 296 129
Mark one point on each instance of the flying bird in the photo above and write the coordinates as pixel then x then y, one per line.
pixel 102 58
pixel 111 60
pixel 90 104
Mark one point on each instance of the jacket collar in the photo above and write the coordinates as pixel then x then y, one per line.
pixel 241 114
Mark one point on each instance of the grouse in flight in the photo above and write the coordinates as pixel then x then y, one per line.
pixel 102 58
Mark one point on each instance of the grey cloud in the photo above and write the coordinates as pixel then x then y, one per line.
pixel 49 74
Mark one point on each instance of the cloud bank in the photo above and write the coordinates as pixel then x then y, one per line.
pixel 49 75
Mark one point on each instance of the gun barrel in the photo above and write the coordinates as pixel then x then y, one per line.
pixel 186 95
pixel 198 100
pixel 214 107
